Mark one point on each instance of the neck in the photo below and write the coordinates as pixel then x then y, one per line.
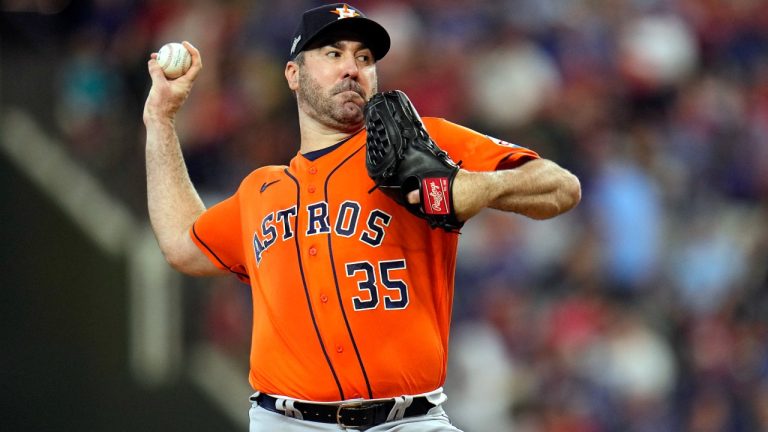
pixel 317 136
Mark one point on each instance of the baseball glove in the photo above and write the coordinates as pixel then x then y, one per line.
pixel 401 157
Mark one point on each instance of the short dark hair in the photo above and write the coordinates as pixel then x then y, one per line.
pixel 299 58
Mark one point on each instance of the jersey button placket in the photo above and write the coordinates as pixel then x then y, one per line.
pixel 312 170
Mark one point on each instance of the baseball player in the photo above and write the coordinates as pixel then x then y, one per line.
pixel 352 290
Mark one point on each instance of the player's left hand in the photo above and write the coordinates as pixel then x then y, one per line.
pixel 469 196
pixel 401 156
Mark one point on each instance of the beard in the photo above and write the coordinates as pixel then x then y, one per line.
pixel 339 108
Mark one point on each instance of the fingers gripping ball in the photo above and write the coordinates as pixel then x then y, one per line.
pixel 174 59
pixel 401 157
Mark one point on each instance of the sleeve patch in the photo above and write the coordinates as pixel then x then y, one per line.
pixel 503 143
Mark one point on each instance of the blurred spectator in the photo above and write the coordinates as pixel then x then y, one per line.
pixel 626 206
pixel 511 82
pixel 227 307
pixel 90 99
pixel 709 265
pixel 484 379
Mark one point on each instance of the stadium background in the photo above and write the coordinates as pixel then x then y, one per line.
pixel 645 309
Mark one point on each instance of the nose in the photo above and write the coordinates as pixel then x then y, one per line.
pixel 350 68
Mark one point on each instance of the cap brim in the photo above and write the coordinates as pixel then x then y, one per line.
pixel 371 33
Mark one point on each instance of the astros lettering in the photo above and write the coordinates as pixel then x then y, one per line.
pixel 278 224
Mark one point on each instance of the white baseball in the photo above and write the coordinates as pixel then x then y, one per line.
pixel 174 59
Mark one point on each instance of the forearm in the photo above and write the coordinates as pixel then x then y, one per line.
pixel 539 189
pixel 172 200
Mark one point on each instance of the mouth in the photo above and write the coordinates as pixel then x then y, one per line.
pixel 350 87
pixel 351 98
pixel 352 93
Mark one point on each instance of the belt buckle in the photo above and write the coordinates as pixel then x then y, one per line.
pixel 343 405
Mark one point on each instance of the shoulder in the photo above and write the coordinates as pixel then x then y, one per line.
pixel 433 122
pixel 441 126
pixel 436 127
pixel 258 176
pixel 446 132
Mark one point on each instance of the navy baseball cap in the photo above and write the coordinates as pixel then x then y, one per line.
pixel 321 21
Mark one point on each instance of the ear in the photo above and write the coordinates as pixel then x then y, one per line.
pixel 292 75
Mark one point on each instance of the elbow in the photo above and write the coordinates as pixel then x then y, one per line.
pixel 182 255
pixel 172 252
pixel 566 196
pixel 191 263
pixel 181 261
pixel 571 192
pixel 176 261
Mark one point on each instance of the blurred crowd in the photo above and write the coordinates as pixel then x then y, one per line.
pixel 644 309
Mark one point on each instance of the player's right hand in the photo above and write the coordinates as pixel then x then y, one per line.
pixel 167 96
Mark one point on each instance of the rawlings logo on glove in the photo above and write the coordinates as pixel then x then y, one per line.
pixel 401 157
pixel 437 188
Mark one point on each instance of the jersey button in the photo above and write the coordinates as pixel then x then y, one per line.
pixel 313 170
pixel 311 189
pixel 313 251
pixel 324 298
pixel 339 349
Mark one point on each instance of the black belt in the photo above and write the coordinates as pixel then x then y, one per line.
pixel 355 414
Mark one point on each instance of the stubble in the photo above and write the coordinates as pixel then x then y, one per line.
pixel 339 108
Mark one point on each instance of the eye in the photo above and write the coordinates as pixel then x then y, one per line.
pixel 333 54
pixel 363 58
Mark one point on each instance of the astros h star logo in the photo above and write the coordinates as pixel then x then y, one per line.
pixel 345 12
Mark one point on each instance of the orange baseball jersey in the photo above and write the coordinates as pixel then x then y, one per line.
pixel 352 294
